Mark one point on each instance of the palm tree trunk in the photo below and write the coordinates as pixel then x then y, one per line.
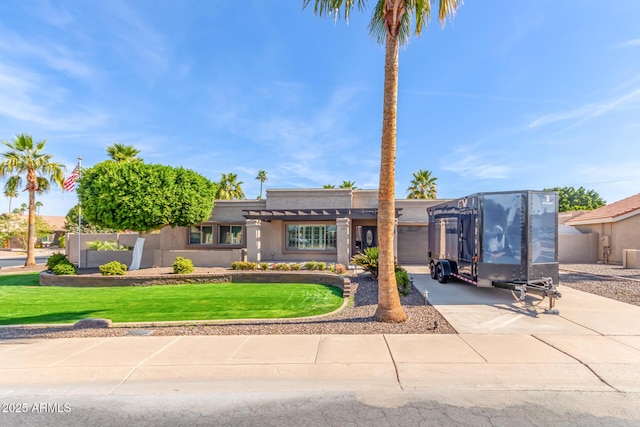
pixel 389 307
pixel 31 233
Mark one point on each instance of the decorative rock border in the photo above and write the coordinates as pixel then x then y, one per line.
pixel 94 281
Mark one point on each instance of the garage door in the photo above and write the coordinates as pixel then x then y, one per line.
pixel 412 244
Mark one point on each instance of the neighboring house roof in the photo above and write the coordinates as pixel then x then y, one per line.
pixel 613 212
pixel 57 223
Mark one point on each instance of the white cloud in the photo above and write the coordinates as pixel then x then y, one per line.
pixel 629 43
pixel 472 166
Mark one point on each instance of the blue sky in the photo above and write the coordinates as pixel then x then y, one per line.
pixel 510 95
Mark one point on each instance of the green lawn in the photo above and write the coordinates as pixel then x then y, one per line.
pixel 24 301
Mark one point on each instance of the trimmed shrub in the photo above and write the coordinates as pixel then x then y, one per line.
pixel 64 268
pixel 340 269
pixel 56 259
pixel 321 266
pixel 113 268
pixel 182 266
pixel 245 265
pixel 404 284
pixel 264 266
pixel 282 267
pixel 310 265
pixel 295 267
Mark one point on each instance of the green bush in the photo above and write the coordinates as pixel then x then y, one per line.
pixel 62 242
pixel 283 266
pixel 64 268
pixel 56 259
pixel 113 268
pixel 245 265
pixel 108 245
pixel 295 267
pixel 310 265
pixel 264 266
pixel 182 266
pixel 404 284
pixel 321 266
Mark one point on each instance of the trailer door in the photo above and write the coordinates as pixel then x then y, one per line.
pixel 467 230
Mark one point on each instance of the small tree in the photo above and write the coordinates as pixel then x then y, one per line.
pixel 144 197
pixel 570 199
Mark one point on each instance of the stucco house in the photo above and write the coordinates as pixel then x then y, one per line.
pixel 289 225
pixel 617 226
pixel 56 224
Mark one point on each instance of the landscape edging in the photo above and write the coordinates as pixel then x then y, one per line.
pixel 91 281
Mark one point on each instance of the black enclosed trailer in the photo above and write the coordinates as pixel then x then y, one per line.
pixel 499 239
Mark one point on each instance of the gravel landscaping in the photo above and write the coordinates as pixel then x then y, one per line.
pixel 610 281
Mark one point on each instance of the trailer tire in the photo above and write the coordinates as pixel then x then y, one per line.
pixel 432 271
pixel 442 278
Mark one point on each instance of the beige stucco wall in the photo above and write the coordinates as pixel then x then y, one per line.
pixel 306 199
pixel 363 199
pixel 578 248
pixel 624 234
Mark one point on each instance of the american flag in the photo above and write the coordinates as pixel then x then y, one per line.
pixel 70 183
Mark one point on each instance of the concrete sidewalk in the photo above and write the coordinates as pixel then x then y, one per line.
pixel 200 364
pixel 592 346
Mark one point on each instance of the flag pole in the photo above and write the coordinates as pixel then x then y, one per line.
pixel 79 210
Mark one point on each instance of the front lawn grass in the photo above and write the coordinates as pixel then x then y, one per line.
pixel 23 301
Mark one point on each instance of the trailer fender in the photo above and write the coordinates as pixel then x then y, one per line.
pixel 443 271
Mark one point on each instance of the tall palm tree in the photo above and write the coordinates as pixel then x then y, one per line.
pixel 26 157
pixel 423 186
pixel 262 177
pixel 229 188
pixel 38 205
pixel 391 23
pixel 349 184
pixel 11 190
pixel 123 153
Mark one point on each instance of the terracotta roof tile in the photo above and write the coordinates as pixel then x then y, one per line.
pixel 613 210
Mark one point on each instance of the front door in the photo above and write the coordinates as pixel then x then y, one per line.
pixel 369 237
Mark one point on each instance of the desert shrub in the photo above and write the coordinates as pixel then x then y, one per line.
pixel 113 268
pixel 295 267
pixel 264 266
pixel 64 268
pixel 310 265
pixel 321 266
pixel 283 266
pixel 404 284
pixel 340 269
pixel 56 259
pixel 368 260
pixel 182 266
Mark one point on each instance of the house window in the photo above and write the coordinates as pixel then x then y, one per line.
pixel 230 235
pixel 201 235
pixel 314 237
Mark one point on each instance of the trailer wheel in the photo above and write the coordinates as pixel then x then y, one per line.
pixel 432 271
pixel 442 278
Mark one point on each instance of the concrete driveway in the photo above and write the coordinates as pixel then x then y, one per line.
pixel 472 310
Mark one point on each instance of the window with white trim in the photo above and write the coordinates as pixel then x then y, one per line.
pixel 230 234
pixel 201 235
pixel 311 237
